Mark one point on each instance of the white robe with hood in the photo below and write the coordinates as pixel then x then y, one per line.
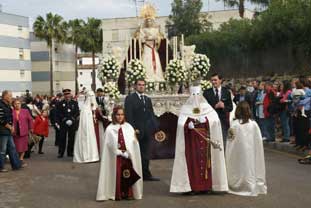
pixel 85 147
pixel 180 180
pixel 245 160
pixel 108 165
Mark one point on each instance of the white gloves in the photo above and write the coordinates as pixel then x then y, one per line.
pixel 119 153
pixel 191 125
pixel 202 119
pixel 57 126
pixel 69 122
pixel 123 154
pixel 126 155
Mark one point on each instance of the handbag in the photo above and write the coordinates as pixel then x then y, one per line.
pixel 34 139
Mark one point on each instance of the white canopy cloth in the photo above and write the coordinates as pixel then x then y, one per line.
pixel 180 180
pixel 245 160
pixel 85 147
pixel 107 175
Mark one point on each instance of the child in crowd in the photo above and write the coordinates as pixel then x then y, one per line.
pixel 41 128
pixel 297 95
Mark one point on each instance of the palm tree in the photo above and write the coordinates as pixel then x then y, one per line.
pixel 92 42
pixel 51 29
pixel 75 28
pixel 241 4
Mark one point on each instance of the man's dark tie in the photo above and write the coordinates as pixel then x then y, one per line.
pixel 142 98
pixel 216 95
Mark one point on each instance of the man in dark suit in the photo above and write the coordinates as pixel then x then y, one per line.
pixel 139 113
pixel 100 99
pixel 220 99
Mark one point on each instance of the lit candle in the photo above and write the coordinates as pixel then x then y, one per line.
pixel 131 48
pixel 140 49
pixel 134 48
pixel 166 51
pixel 182 45
pixel 127 48
pixel 173 47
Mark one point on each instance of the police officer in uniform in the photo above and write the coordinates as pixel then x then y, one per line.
pixel 67 113
pixel 53 105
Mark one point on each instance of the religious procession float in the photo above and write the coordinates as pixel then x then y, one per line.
pixel 169 68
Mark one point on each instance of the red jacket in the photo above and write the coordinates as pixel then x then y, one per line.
pixel 41 127
pixel 267 101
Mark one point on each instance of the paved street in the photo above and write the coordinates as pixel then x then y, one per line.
pixel 51 182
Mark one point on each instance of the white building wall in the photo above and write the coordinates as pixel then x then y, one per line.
pixel 14 31
pixel 15 64
pixel 63 67
pixel 15 75
pixel 14 53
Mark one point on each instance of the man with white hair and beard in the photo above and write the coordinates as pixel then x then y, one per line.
pixel 199 164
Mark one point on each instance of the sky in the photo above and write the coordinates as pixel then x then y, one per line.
pixel 70 9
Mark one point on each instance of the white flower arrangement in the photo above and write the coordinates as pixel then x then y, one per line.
pixel 176 72
pixel 136 70
pixel 162 86
pixel 111 90
pixel 108 69
pixel 150 87
pixel 199 67
pixel 205 84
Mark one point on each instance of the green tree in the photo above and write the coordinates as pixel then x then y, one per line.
pixel 283 26
pixel 75 27
pixel 92 42
pixel 241 4
pixel 52 29
pixel 185 17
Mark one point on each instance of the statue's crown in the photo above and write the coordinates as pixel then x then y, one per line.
pixel 148 11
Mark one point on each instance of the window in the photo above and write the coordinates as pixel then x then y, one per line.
pixel 57 86
pixel 80 62
pixel 81 73
pixel 20 28
pixel 22 73
pixel 81 85
pixel 56 50
pixel 21 53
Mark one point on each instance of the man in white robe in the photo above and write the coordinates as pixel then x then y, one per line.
pixel 197 108
pixel 245 160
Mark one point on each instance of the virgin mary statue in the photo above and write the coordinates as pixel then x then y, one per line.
pixel 150 36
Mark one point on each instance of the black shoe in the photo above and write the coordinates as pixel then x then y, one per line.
pixel 70 155
pixel 60 156
pixel 41 153
pixel 151 178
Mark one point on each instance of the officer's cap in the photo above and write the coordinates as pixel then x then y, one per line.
pixel 66 91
